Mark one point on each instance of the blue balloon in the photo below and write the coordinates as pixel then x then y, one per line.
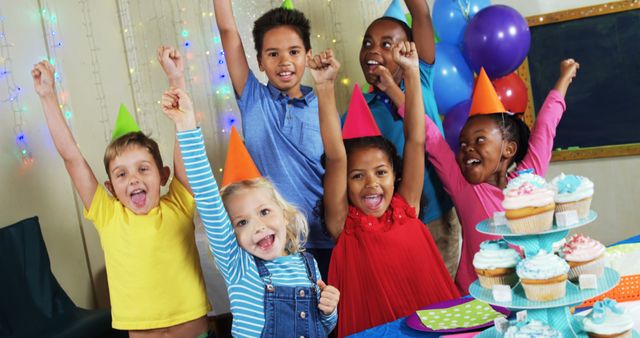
pixel 450 18
pixel 454 121
pixel 498 39
pixel 452 78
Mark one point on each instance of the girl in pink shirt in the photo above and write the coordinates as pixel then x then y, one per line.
pixel 489 145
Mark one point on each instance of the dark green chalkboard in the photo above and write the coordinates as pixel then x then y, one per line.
pixel 603 102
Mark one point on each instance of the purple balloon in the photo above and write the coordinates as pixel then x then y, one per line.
pixel 498 39
pixel 453 122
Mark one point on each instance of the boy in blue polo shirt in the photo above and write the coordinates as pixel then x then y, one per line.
pixel 280 119
pixel 385 75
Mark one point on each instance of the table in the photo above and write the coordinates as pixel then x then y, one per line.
pixel 398 328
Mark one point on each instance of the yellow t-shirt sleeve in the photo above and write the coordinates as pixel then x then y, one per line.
pixel 101 209
pixel 181 198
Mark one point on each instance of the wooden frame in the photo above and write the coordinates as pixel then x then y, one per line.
pixel 523 72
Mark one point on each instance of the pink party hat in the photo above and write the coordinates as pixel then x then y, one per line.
pixel 359 121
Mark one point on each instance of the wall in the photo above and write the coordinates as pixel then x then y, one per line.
pixel 107 57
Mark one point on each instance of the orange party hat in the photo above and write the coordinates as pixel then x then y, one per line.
pixel 238 166
pixel 359 121
pixel 485 100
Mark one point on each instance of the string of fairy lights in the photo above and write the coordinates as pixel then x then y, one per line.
pixel 12 96
pixel 49 20
pixel 96 72
pixel 188 25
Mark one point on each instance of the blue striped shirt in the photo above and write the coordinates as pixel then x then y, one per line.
pixel 245 288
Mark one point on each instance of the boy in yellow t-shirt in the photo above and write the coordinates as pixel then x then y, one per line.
pixel 155 281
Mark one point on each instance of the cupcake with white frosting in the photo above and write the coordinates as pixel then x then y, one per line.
pixel 543 276
pixel 607 320
pixel 572 192
pixel 495 263
pixel 531 329
pixel 584 256
pixel 528 204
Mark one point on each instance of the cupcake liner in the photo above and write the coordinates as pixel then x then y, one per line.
pixel 582 207
pixel 545 292
pixel 531 224
pixel 488 282
pixel 626 334
pixel 595 267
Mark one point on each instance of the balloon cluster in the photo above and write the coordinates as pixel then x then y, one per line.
pixel 472 34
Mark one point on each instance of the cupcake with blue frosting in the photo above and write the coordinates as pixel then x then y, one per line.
pixel 607 320
pixel 531 329
pixel 572 192
pixel 495 263
pixel 543 276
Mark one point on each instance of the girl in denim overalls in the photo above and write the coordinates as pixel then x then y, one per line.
pixel 275 289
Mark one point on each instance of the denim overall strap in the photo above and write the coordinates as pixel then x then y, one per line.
pixel 291 311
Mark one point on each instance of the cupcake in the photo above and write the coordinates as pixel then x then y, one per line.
pixel 584 255
pixel 543 276
pixel 607 320
pixel 572 193
pixel 531 329
pixel 495 263
pixel 528 204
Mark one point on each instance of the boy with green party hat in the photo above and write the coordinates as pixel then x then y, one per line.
pixel 153 270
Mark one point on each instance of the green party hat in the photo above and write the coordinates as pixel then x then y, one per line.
pixel 287 4
pixel 125 123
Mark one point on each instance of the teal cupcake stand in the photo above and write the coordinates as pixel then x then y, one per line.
pixel 555 313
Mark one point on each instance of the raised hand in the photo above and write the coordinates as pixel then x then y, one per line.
pixel 171 61
pixel 385 79
pixel 324 67
pixel 42 74
pixel 568 70
pixel 177 105
pixel 329 297
pixel 405 55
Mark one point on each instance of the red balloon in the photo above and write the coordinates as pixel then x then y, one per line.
pixel 512 92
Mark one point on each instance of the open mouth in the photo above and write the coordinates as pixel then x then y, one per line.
pixel 472 162
pixel 138 198
pixel 267 242
pixel 372 64
pixel 285 76
pixel 372 202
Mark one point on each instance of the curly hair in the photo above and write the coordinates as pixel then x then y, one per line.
pixel 281 17
pixel 297 227
pixel 405 27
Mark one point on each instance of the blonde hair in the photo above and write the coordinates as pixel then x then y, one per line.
pixel 297 227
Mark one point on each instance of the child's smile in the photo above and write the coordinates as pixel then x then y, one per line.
pixel 259 223
pixel 283 59
pixel 378 41
pixel 135 180
pixel 370 180
pixel 484 154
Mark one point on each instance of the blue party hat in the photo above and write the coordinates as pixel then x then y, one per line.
pixel 395 11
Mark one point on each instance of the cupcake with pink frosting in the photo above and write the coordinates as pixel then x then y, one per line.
pixel 584 256
pixel 528 203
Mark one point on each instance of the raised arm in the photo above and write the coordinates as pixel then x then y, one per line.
pixel 172 64
pixel 324 69
pixel 177 105
pixel 422 29
pixel 406 56
pixel 81 174
pixel 540 145
pixel 232 44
